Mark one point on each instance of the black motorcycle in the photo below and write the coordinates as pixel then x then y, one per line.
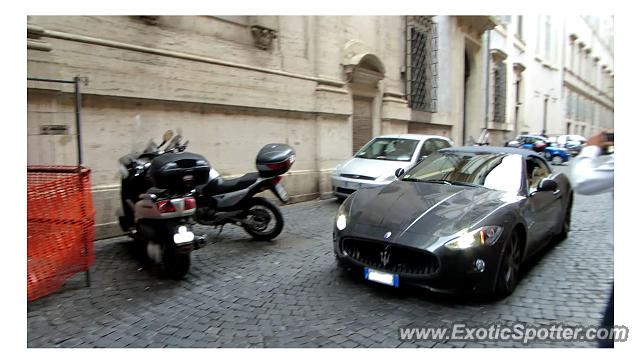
pixel 158 196
pixel 233 201
pixel 164 190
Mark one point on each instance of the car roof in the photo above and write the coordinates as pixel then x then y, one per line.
pixel 414 136
pixel 494 150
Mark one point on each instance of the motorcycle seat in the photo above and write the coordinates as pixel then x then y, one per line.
pixel 220 186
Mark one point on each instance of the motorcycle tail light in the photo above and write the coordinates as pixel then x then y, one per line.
pixel 279 166
pixel 285 164
pixel 166 206
pixel 189 203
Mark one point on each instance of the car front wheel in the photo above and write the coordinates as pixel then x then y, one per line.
pixel 509 270
pixel 557 160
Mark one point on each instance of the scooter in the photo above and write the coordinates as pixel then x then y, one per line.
pixel 233 201
pixel 159 199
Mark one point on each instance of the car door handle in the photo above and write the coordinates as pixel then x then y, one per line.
pixel 557 194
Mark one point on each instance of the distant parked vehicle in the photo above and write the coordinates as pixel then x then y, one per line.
pixel 573 143
pixel 557 155
pixel 532 142
pixel 376 162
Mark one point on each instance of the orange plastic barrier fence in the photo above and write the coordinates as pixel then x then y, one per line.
pixel 60 226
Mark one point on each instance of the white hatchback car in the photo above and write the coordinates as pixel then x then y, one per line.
pixel 376 162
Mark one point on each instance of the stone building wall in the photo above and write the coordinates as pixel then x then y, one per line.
pixel 206 76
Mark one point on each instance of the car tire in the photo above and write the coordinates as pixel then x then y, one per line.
pixel 566 221
pixel 557 160
pixel 509 270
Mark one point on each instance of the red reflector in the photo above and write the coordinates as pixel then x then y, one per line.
pixel 189 203
pixel 166 206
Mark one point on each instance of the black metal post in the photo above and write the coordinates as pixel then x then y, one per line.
pixel 78 117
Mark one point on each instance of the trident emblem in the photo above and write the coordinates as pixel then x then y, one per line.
pixel 384 257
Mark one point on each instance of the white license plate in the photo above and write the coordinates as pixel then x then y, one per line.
pixel 282 193
pixel 353 186
pixel 381 277
pixel 183 236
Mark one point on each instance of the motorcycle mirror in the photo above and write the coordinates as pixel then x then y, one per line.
pixel 167 136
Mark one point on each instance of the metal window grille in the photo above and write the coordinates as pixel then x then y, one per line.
pixel 500 92
pixel 423 63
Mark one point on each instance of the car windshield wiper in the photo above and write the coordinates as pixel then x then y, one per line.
pixel 428 181
pixel 441 181
pixel 462 183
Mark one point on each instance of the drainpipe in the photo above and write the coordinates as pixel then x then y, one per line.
pixel 486 79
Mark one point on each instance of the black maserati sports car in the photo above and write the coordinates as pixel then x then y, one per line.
pixel 463 219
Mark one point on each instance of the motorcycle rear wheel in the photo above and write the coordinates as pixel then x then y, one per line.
pixel 177 264
pixel 260 214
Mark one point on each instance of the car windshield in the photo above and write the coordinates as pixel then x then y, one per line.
pixel 495 171
pixel 395 149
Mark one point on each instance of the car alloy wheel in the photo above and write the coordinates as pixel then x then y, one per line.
pixel 510 269
pixel 557 160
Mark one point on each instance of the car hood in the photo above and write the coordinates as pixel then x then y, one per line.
pixel 372 167
pixel 418 214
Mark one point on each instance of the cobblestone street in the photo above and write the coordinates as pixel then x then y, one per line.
pixel 290 293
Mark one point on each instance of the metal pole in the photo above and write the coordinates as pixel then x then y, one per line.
pixel 78 117
pixel 79 139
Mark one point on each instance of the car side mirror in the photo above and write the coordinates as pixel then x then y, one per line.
pixel 547 185
pixel 399 172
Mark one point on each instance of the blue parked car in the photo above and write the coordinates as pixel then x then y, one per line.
pixel 557 155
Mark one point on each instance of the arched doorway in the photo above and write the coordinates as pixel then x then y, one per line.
pixel 473 116
pixel 363 70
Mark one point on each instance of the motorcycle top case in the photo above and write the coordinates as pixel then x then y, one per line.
pixel 179 171
pixel 275 159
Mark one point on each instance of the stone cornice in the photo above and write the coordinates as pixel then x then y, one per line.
pixel 174 54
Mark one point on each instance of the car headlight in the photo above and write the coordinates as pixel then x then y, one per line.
pixel 341 221
pixel 486 235
pixel 336 171
pixel 342 218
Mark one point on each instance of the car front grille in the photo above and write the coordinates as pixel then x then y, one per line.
pixel 394 258
pixel 359 177
pixel 345 190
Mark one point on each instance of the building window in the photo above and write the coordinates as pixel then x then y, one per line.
pixel 569 110
pixel 580 112
pixel 505 19
pixel 573 48
pixel 578 70
pixel 519 30
pixel 547 37
pixel 500 91
pixel 423 60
